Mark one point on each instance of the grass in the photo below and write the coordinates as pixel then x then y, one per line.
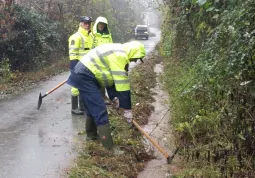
pixel 17 81
pixel 95 161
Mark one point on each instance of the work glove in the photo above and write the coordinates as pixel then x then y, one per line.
pixel 128 115
pixel 116 103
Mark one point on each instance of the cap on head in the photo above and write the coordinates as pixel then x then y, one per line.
pixel 135 50
pixel 86 19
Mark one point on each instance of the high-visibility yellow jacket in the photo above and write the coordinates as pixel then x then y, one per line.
pixel 107 62
pixel 79 44
pixel 101 38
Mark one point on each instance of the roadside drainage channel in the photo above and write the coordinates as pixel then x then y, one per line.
pixel 162 134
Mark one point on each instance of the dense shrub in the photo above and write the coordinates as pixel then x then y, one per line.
pixel 213 81
pixel 33 34
pixel 33 41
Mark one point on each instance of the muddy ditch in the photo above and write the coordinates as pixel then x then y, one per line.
pixel 141 159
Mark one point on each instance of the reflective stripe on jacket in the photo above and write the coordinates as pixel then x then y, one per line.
pixel 107 62
pixel 79 44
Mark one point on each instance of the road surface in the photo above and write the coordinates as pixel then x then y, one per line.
pixel 43 143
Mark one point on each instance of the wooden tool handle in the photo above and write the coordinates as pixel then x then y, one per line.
pixel 151 140
pixel 53 89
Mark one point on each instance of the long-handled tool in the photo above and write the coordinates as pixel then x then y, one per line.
pixel 53 89
pixel 169 158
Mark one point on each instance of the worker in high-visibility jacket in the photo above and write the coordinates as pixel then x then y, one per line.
pixel 105 66
pixel 101 35
pixel 79 44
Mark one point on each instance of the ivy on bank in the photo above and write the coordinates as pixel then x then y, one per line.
pixel 211 75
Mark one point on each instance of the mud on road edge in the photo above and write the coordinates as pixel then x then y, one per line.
pixel 18 82
pixel 97 162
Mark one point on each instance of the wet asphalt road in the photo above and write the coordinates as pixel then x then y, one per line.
pixel 42 143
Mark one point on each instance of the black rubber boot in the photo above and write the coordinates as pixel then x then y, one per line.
pixel 91 129
pixel 75 110
pixel 81 104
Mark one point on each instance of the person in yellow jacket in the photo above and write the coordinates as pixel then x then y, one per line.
pixel 101 35
pixel 79 44
pixel 105 66
pixel 101 32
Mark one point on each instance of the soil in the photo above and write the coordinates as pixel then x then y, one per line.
pixel 160 130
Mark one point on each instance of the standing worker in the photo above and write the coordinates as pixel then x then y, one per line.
pixel 101 32
pixel 79 44
pixel 101 35
pixel 105 66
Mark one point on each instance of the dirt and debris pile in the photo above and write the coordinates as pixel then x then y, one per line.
pixel 95 160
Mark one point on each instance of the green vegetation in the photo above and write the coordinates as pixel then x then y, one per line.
pixel 208 49
pixel 34 34
pixel 30 45
pixel 97 162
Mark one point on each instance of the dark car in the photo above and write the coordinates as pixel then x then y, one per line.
pixel 141 31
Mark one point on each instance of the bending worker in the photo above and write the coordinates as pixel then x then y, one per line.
pixel 79 44
pixel 105 66
pixel 101 35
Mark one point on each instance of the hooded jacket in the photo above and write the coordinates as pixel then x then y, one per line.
pixel 101 37
pixel 108 61
pixel 106 66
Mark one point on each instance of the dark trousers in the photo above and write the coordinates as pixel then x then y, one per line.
pixel 89 89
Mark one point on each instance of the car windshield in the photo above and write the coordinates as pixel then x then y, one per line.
pixel 141 28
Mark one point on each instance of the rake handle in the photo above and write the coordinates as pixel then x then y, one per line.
pixel 169 159
pixel 53 89
pixel 151 140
